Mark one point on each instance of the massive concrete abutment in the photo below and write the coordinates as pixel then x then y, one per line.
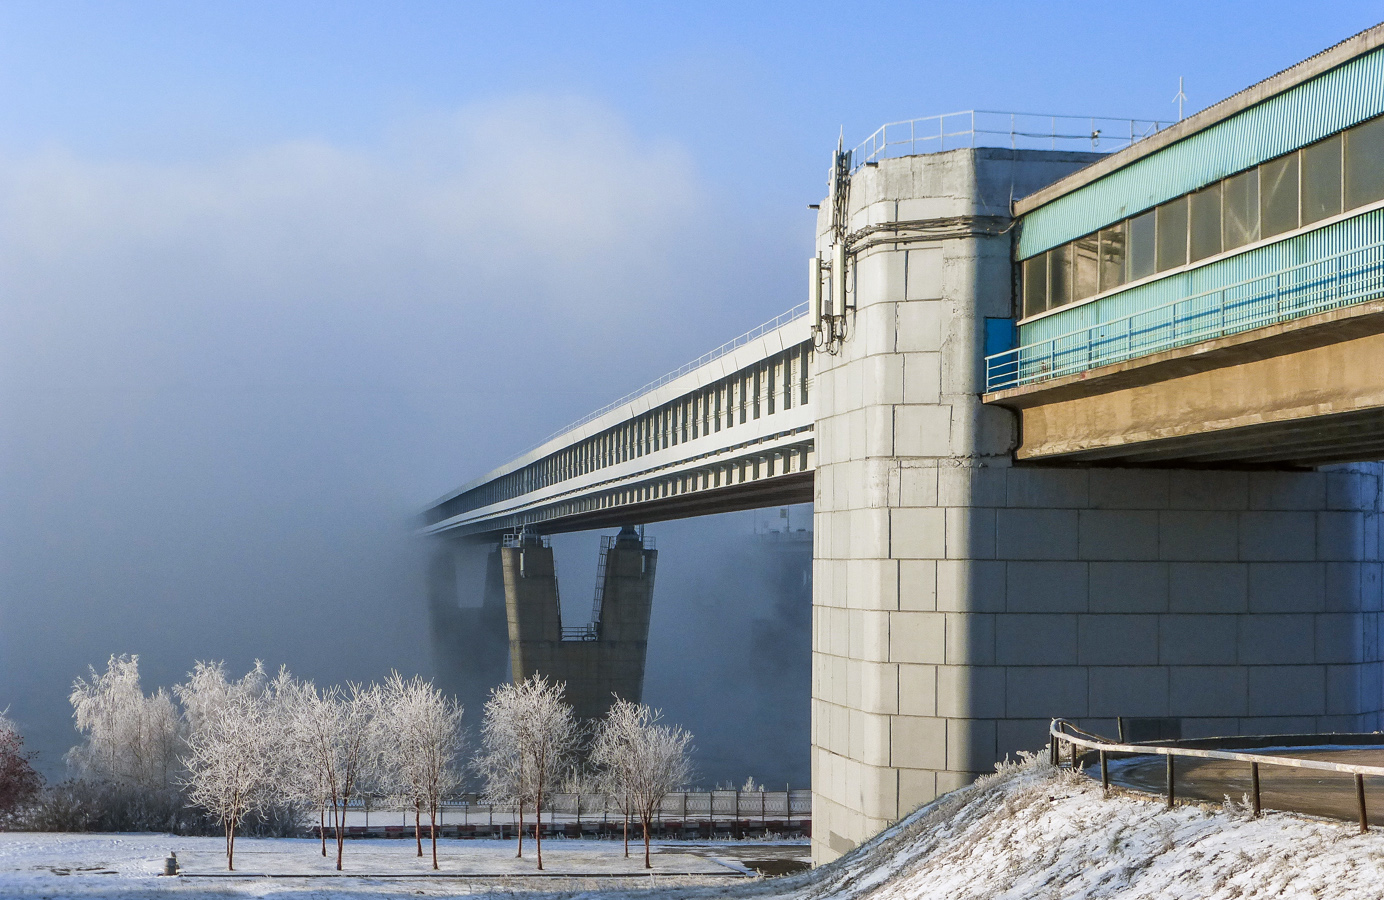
pixel 961 599
pixel 599 660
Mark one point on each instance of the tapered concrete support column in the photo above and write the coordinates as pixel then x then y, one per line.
pixel 466 613
pixel 600 660
pixel 532 607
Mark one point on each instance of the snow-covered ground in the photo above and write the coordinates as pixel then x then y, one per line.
pixel 1028 832
pixel 127 866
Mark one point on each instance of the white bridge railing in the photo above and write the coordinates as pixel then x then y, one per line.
pixel 773 324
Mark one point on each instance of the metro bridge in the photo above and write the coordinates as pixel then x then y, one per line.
pixel 1087 434
pixel 729 431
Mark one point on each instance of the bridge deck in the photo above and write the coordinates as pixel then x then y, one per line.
pixel 732 432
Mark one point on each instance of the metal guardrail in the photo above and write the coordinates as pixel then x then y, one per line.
pixel 776 322
pixel 1061 731
pixel 992 128
pixel 559 808
pixel 1342 279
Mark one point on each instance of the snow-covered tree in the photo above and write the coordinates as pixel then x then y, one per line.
pixel 614 735
pixel 232 745
pixel 642 758
pixel 131 741
pixel 19 783
pixel 498 761
pixel 298 779
pixel 421 739
pixel 333 744
pixel 529 741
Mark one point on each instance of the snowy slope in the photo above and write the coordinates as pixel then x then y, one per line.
pixel 1034 832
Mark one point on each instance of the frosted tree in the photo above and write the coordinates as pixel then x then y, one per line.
pixel 422 729
pixel 529 742
pixel 19 783
pixel 298 777
pixel 131 741
pixel 642 758
pixel 498 761
pixel 333 743
pixel 232 745
pixel 614 736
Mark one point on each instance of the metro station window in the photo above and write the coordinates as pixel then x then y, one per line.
pixel 1036 284
pixel 1172 234
pixel 1364 166
pixel 1112 256
pixel 1278 195
pixel 1240 210
pixel 1204 214
pixel 1338 174
pixel 1085 262
pixel 1060 276
pixel 1141 246
pixel 1321 180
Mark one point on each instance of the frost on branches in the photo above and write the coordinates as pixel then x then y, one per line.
pixel 131 741
pixel 640 760
pixel 233 738
pixel 420 738
pixel 19 783
pixel 333 742
pixel 529 740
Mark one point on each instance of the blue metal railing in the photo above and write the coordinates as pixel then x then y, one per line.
pixel 1353 276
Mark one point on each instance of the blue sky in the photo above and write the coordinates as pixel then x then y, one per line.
pixel 736 83
pixel 274 275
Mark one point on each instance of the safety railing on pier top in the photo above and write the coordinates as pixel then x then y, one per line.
pixel 776 322
pixel 1064 732
pixel 991 128
pixel 1342 279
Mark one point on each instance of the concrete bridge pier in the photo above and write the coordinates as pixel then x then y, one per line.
pixel 961 599
pixel 599 660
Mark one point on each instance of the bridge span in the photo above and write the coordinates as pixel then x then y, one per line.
pixel 729 431
pixel 1087 435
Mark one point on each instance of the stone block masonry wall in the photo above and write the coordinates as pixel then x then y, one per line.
pixel 960 602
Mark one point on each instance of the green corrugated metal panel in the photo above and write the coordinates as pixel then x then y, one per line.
pixel 1340 98
pixel 1359 231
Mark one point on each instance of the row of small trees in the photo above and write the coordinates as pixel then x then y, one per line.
pixel 263 744
pixel 531 742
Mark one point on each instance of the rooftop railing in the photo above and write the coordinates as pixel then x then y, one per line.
pixel 991 128
pixel 1342 279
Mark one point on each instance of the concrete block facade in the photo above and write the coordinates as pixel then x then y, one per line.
pixel 961 601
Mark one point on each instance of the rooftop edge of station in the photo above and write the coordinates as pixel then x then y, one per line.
pixel 1298 73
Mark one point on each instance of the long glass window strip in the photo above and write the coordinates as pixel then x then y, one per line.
pixel 1329 282
pixel 1338 174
